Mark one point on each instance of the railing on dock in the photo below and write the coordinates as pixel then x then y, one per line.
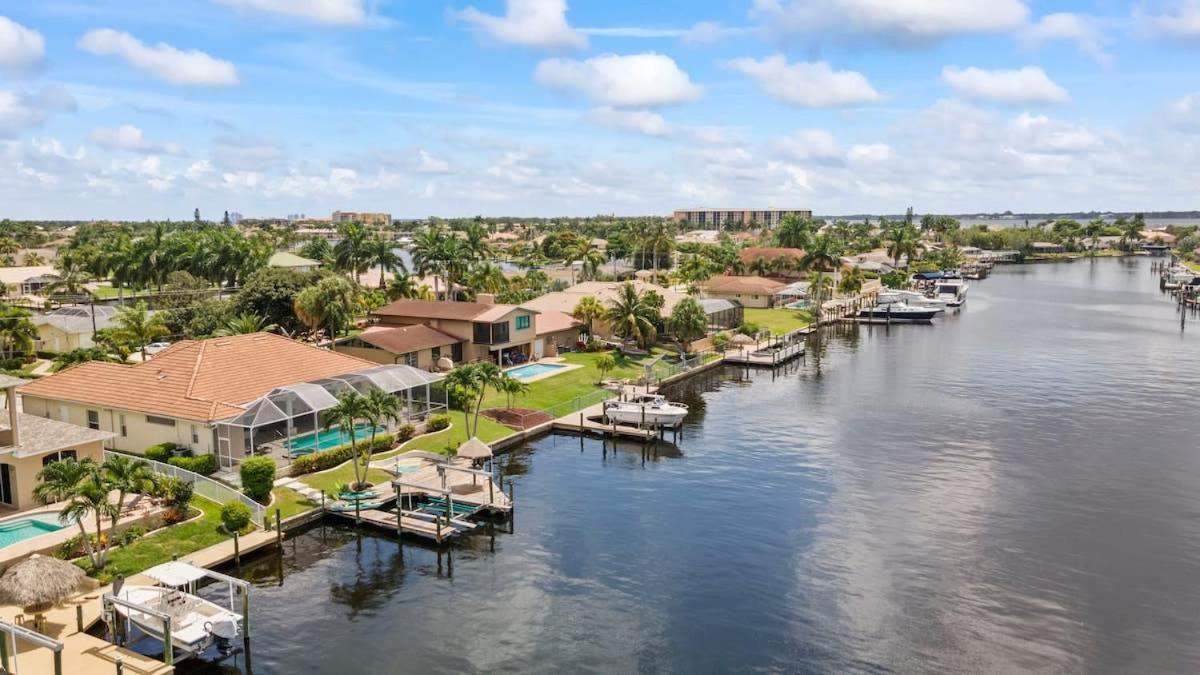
pixel 203 486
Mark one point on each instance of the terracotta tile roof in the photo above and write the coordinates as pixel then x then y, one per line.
pixel 752 285
pixel 434 309
pixel 552 322
pixel 204 380
pixel 769 253
pixel 405 339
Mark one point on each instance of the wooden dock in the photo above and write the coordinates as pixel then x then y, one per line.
pixel 411 522
pixel 590 421
pixel 769 357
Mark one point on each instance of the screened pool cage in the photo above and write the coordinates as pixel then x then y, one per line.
pixel 288 421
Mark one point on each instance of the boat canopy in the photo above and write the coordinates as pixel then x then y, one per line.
pixel 928 276
pixel 176 573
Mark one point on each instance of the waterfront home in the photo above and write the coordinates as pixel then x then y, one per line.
pixel 751 291
pixel 567 300
pixel 292 261
pixel 782 260
pixel 1158 236
pixel 484 329
pixel 225 396
pixel 72 327
pixel 416 345
pixel 1046 247
pixel 18 281
pixel 29 442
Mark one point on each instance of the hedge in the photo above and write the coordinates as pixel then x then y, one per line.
pixel 258 477
pixel 235 516
pixel 319 461
pixel 205 465
pixel 160 452
pixel 437 423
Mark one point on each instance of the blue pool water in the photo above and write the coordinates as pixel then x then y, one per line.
pixel 532 370
pixel 330 438
pixel 14 531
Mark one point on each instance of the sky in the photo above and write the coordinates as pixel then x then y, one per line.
pixel 452 108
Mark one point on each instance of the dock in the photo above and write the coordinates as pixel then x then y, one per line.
pixel 590 421
pixel 769 356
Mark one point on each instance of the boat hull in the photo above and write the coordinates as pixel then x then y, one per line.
pixel 635 418
pixel 910 315
pixel 193 630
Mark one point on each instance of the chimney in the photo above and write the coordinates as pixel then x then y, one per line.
pixel 485 298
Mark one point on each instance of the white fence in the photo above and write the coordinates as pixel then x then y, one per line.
pixel 204 486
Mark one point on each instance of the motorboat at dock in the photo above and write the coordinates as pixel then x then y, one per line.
pixel 897 312
pixel 653 410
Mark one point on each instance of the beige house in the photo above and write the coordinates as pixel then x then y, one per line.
pixel 18 281
pixel 484 330
pixel 292 261
pixel 210 396
pixel 28 443
pixel 417 345
pixel 605 291
pixel 757 292
pixel 69 328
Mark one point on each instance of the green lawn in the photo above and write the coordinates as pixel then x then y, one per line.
pixel 571 384
pixel 158 546
pixel 110 293
pixel 329 480
pixel 779 321
pixel 290 503
pixel 1194 266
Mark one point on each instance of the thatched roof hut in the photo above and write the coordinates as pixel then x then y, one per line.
pixel 475 450
pixel 39 582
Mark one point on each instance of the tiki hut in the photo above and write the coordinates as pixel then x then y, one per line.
pixel 475 450
pixel 38 583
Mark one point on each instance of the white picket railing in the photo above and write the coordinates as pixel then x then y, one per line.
pixel 203 486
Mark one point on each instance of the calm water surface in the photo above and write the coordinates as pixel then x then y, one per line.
pixel 1014 489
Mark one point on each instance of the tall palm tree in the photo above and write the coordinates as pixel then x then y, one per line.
pixel 9 246
pixel 428 255
pixel 593 259
pixel 137 327
pixel 488 278
pixel 33 259
pixel 244 324
pixel 125 475
pixel 794 232
pixel 632 317
pixel 851 281
pixel 18 334
pixel 351 407
pixel 317 248
pixel 384 408
pixel 511 387
pixel 71 278
pixel 1092 231
pixel 402 286
pixel 588 310
pixel 328 304
pixel 1131 232
pixel 61 481
pixel 350 254
pixel 381 253
pixel 151 252
pixel 902 242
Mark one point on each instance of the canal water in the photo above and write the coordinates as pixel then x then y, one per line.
pixel 1015 488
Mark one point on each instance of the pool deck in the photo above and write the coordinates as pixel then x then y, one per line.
pixel 563 367
pixel 136 510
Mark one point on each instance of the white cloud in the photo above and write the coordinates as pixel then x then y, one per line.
pixel 21 111
pixel 896 20
pixel 711 32
pixel 640 121
pixel 427 163
pixel 131 139
pixel 528 23
pixel 1172 19
pixel 807 84
pixel 1025 85
pixel 1082 30
pixel 191 67
pixel 634 32
pixel 636 80
pixel 810 144
pixel 1041 134
pixel 336 12
pixel 876 152
pixel 20 47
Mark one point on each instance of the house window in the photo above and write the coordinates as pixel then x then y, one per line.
pixel 58 457
pixel 124 430
pixel 499 333
pixel 523 322
pixel 93 420
pixel 6 494
pixel 195 435
pixel 410 359
pixel 436 352
pixel 164 421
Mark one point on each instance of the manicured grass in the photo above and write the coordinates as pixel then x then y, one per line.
pixel 567 386
pixel 780 320
pixel 1194 266
pixel 445 442
pixel 329 480
pixel 159 546
pixel 290 503
pixel 110 293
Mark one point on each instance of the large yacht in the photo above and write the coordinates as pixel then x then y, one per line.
pixel 898 312
pixel 952 291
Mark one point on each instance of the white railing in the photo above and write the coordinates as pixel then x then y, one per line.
pixel 203 486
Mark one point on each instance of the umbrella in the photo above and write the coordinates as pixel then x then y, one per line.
pixel 39 582
pixel 474 450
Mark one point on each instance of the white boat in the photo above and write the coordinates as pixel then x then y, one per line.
pixel 912 299
pixel 952 291
pixel 195 623
pixel 650 409
pixel 898 312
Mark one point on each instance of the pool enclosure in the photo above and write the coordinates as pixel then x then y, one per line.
pixel 268 424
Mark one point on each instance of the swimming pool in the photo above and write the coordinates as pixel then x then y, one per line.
pixel 21 529
pixel 532 370
pixel 330 438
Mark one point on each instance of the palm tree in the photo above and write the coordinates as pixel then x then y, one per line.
pixel 329 303
pixel 17 331
pixel 350 254
pixel 463 381
pixel 688 320
pixel 1131 231
pixel 760 267
pixel 593 259
pixel 902 243
pixel 1092 231
pixel 794 232
pixel 71 278
pixel 126 475
pixel 63 481
pixel 631 317
pixel 244 324
pixel 488 278
pixel 9 246
pixel 137 327
pixel 851 282
pixel 33 259
pixel 428 255
pixel 317 248
pixel 402 286
pixel 384 408
pixel 818 289
pixel 151 254
pixel 824 255
pixel 380 252
pixel 511 387
pixel 587 310
pixel 351 407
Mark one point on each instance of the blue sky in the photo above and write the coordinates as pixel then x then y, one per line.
pixel 120 109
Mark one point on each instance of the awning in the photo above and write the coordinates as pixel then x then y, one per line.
pixel 928 276
pixel 175 573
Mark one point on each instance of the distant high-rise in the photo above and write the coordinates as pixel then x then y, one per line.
pixel 362 217
pixel 718 218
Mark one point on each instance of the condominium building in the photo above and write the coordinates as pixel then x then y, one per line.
pixel 362 217
pixel 718 218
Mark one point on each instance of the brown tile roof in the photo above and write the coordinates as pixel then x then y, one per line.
pixel 752 253
pixel 405 339
pixel 752 285
pixel 434 309
pixel 204 380
pixel 553 322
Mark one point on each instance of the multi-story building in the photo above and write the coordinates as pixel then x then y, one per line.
pixel 362 217
pixel 719 218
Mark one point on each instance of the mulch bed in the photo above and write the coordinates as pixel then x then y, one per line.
pixel 517 418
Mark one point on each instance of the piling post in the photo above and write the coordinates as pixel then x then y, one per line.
pixel 168 644
pixel 399 515
pixel 357 506
pixel 437 522
pixel 58 662
pixel 246 615
pixel 4 650
pixel 278 531
pixel 322 501
pixel 79 618
pixel 237 549
pixel 120 666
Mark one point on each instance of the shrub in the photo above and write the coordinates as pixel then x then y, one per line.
pixel 405 432
pixel 720 342
pixel 160 452
pixel 205 465
pixel 177 494
pixel 258 477
pixel 894 279
pixel 319 461
pixel 235 516
pixel 437 422
pixel 749 328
